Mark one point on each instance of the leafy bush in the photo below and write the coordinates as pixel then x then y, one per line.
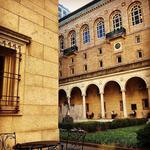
pixel 119 123
pixel 94 126
pixel 67 119
pixel 143 136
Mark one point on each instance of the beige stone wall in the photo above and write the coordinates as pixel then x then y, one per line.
pixel 38 116
pixel 109 55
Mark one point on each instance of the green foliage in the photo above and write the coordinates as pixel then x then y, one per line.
pixel 93 126
pixel 143 136
pixel 119 123
pixel 67 119
pixel 123 137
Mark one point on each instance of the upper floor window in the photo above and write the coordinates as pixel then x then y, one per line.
pixel 86 35
pixel 73 38
pixel 100 29
pixel 61 42
pixel 117 21
pixel 136 14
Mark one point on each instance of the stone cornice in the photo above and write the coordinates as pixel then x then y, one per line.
pixel 112 70
pixel 82 11
pixel 5 32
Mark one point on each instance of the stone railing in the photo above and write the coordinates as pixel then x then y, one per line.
pixel 116 69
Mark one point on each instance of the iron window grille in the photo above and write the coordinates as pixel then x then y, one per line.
pixel 9 80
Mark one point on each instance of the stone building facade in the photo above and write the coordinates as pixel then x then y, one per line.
pixel 105 59
pixel 29 69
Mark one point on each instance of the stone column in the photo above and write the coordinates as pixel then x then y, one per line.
pixel 84 107
pixel 68 109
pixel 124 104
pixel 102 105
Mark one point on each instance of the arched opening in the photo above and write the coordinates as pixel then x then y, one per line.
pixel 113 99
pixel 93 101
pixel 137 97
pixel 62 104
pixel 76 103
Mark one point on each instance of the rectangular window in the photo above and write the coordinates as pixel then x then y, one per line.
pixel 9 80
pixel 72 70
pixel 133 107
pixel 85 67
pixel 100 50
pixel 137 39
pixel 72 60
pixel 121 105
pixel 101 63
pixel 140 55
pixel 119 59
pixel 85 55
pixel 145 103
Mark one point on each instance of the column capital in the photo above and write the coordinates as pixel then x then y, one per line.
pixel 101 93
pixel 123 90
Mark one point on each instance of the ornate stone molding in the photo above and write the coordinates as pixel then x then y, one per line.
pixel 12 39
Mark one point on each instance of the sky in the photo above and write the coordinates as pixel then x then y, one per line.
pixel 73 4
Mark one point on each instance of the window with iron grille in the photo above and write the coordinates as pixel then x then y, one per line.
pixel 9 80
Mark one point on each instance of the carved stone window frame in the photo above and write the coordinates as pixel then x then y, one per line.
pixel 13 43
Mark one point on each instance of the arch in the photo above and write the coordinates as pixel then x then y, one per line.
pixel 116 20
pixel 93 105
pixel 135 13
pixel 137 96
pixel 125 83
pixel 74 88
pixel 90 85
pixel 99 25
pixel 127 80
pixel 105 83
pixel 113 99
pixel 85 31
pixel 72 38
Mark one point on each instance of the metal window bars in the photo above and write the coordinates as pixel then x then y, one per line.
pixel 9 80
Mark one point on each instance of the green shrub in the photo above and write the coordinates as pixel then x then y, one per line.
pixel 119 123
pixel 143 136
pixel 67 119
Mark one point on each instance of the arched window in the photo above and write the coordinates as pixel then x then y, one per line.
pixel 61 42
pixel 117 21
pixel 86 35
pixel 73 38
pixel 100 29
pixel 136 14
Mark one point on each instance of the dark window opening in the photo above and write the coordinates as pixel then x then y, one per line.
pixel 72 70
pixel 85 67
pixel 145 103
pixel 100 50
pixel 87 107
pixel 140 54
pixel 138 39
pixel 101 63
pixel 119 60
pixel 72 60
pixel 133 107
pixel 121 105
